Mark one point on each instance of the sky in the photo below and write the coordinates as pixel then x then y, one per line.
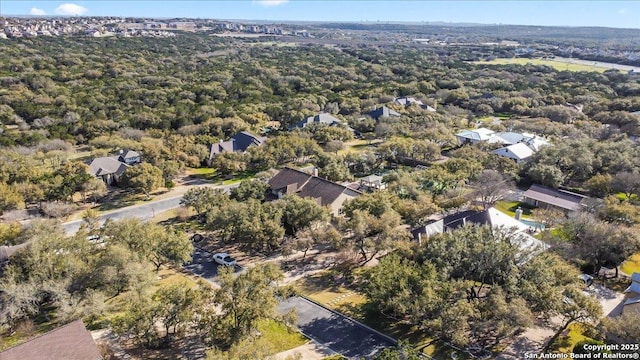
pixel 620 14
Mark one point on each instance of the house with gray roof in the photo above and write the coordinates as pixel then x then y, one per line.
pixel 408 101
pixel 129 157
pixel 520 232
pixel 239 142
pixel 325 192
pixel 381 112
pixel 322 118
pixel 108 169
pixel 546 197
pixel 474 136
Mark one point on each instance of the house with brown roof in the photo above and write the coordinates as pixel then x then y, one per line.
pixel 69 342
pixel 546 197
pixel 325 192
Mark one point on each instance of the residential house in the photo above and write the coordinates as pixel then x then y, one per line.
pixel 546 197
pixel 322 118
pixel 408 101
pixel 474 136
pixel 492 217
pixel 129 157
pixel 239 142
pixel 109 169
pixel 534 142
pixel 519 152
pixel 325 192
pixel 372 182
pixel 632 295
pixel 71 341
pixel 381 112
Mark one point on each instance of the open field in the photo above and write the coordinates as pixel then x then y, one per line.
pixel 556 64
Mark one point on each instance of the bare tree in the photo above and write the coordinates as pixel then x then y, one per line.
pixel 490 187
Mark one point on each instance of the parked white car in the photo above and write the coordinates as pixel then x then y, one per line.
pixel 224 259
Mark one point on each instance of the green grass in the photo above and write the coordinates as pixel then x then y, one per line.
pixel 557 65
pixel 278 336
pixel 623 197
pixel 335 357
pixel 565 344
pixel 631 265
pixel 510 207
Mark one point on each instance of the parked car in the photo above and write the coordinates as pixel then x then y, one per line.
pixel 588 279
pixel 224 259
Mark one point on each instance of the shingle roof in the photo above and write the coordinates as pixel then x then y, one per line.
pixel 106 165
pixel 382 111
pixel 288 176
pixel 305 185
pixel 68 342
pixel 129 154
pixel 560 198
pixel 322 118
pixel 491 217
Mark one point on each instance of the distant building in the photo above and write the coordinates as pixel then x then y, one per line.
pixel 408 101
pixel 239 142
pixel 474 136
pixel 381 112
pixel 71 341
pixel 110 168
pixel 325 192
pixel 322 118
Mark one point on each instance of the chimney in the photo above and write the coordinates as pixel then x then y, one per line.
pixel 315 171
pixel 121 152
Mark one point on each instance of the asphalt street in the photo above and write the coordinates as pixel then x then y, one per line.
pixel 143 211
pixel 335 331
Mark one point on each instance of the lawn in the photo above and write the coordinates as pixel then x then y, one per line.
pixel 557 65
pixel 278 337
pixel 323 289
pixel 631 265
pixel 565 344
pixel 204 173
pixel 509 208
pixel 355 146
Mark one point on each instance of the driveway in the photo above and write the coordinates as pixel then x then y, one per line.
pixel 335 331
pixel 203 265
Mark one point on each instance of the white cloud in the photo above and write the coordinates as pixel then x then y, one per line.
pixel 272 2
pixel 36 11
pixel 622 11
pixel 71 9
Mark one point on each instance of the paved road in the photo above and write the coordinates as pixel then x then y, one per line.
pixel 335 331
pixel 143 211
